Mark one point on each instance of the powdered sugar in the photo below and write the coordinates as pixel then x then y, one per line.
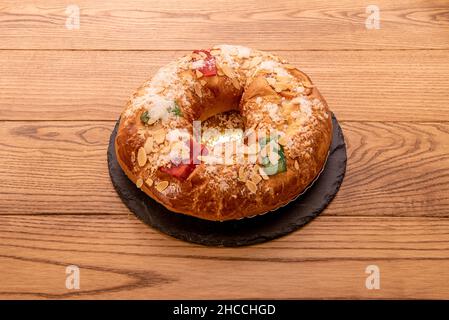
pixel 156 103
pixel 282 72
pixel 273 109
pixel 306 106
pixel 197 64
pixel 268 65
pixel 178 135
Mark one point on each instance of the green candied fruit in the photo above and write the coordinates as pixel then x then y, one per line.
pixel 145 117
pixel 282 164
pixel 176 110
pixel 272 169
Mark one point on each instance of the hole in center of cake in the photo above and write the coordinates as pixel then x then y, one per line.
pixel 222 128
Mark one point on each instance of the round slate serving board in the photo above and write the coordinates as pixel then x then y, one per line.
pixel 242 232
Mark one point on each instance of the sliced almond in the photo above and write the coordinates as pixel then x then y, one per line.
pixel 161 186
pixel 284 85
pixel 283 79
pixel 139 183
pixel 255 61
pixel 141 157
pixel 281 86
pixel 187 76
pixel 242 174
pixel 203 82
pixel 283 140
pixel 197 88
pixel 149 182
pixel 228 71
pixel 148 146
pixel 263 174
pixel 271 81
pixel 219 72
pixel 256 178
pixel 165 150
pixel 159 136
pixel 199 74
pixel 274 157
pixel 296 165
pixel 151 121
pixel 251 186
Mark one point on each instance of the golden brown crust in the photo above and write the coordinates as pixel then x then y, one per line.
pixel 294 108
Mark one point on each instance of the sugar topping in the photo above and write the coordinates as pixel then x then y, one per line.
pixel 227 54
pixel 268 65
pixel 167 90
pixel 178 135
pixel 306 106
pixel 160 95
pixel 197 64
pixel 273 111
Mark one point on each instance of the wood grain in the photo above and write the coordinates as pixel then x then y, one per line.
pixel 119 256
pixel 61 92
pixel 374 86
pixel 394 169
pixel 181 25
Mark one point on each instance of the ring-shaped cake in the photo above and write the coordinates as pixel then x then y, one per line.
pixel 285 136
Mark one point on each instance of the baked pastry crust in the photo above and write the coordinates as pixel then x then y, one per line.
pixel 270 94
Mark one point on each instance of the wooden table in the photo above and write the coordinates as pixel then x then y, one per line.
pixel 62 90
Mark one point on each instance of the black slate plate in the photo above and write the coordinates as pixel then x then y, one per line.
pixel 242 232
